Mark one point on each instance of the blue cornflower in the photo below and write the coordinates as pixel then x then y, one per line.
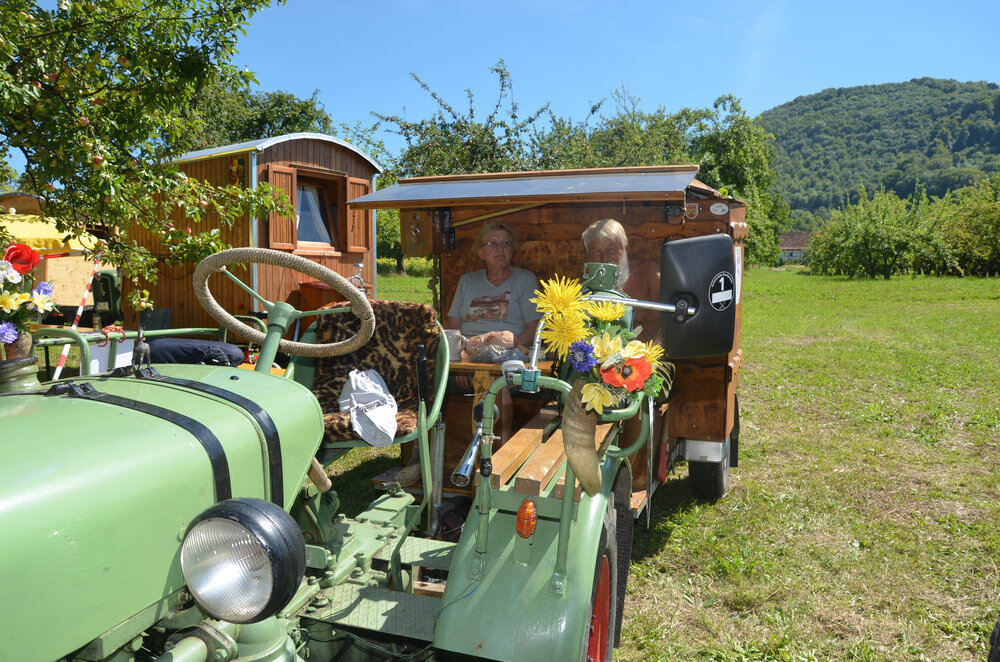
pixel 581 356
pixel 44 287
pixel 8 333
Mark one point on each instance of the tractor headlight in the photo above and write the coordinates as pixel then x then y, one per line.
pixel 243 560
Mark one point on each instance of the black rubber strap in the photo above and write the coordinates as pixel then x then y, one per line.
pixel 267 426
pixel 216 453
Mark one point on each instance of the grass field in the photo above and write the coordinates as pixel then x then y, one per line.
pixel 862 524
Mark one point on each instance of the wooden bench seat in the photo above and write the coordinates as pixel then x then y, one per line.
pixel 530 463
pixel 516 450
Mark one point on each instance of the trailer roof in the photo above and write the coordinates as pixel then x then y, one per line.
pixel 264 143
pixel 646 183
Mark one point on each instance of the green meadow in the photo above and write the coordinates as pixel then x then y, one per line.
pixel 862 523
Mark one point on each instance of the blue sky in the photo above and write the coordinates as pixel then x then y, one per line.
pixel 671 54
pixel 569 53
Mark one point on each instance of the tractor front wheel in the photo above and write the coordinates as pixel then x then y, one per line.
pixel 600 637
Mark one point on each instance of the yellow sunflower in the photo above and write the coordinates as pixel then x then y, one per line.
pixel 559 295
pixel 595 397
pixel 606 311
pixel 562 330
pixel 654 352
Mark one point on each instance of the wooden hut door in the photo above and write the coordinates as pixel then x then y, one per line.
pixel 281 229
pixel 359 222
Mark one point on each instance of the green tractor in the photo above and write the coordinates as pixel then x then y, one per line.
pixel 175 512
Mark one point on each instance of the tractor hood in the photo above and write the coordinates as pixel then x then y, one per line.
pixel 98 485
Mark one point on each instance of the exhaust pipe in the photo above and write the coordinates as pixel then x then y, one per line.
pixel 462 475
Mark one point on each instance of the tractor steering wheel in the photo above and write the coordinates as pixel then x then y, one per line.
pixel 218 262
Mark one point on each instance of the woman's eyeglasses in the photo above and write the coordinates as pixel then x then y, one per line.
pixel 498 244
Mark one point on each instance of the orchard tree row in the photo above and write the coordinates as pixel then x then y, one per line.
pixel 885 235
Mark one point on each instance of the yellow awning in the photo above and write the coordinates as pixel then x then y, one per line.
pixel 40 234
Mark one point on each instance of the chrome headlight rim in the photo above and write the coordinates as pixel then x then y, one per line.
pixel 279 538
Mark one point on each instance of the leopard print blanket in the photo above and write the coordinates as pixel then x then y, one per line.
pixel 392 352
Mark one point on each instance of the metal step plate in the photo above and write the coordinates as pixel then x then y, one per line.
pixel 424 552
pixel 388 612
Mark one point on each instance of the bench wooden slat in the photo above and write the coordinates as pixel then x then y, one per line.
pixel 519 448
pixel 603 430
pixel 542 466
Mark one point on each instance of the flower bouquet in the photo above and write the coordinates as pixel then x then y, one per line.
pixel 608 366
pixel 21 301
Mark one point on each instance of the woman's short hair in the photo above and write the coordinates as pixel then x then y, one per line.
pixel 606 228
pixel 490 228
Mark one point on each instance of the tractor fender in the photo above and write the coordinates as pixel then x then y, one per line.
pixel 515 609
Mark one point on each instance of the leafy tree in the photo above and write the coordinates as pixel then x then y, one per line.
pixel 94 96
pixel 452 141
pixel 226 111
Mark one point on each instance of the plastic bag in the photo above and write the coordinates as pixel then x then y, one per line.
pixel 372 407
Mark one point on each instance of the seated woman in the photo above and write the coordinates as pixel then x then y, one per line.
pixel 496 298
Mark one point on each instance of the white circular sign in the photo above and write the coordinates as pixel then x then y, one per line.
pixel 719 208
pixel 720 292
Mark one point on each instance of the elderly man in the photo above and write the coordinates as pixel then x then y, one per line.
pixel 606 241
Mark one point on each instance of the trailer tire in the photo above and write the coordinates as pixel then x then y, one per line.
pixel 709 480
pixel 599 637
pixel 994 655
pixel 734 436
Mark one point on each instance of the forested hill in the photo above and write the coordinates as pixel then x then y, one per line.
pixel 935 132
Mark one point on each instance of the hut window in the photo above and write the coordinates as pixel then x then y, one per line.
pixel 313 222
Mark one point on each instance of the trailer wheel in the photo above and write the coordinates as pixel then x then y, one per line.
pixel 709 480
pixel 995 644
pixel 734 436
pixel 600 636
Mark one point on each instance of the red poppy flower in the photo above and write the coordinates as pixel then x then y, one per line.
pixel 22 258
pixel 632 374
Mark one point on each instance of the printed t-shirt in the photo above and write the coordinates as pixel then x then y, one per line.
pixel 483 306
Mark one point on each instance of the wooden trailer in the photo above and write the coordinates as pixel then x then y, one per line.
pixel 320 174
pixel 548 211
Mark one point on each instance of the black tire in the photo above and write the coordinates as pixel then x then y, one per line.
pixel 607 551
pixel 734 436
pixel 624 529
pixel 994 655
pixel 709 480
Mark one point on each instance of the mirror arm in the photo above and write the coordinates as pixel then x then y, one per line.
pixel 639 303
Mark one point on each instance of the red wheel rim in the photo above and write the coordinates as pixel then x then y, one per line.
pixel 597 644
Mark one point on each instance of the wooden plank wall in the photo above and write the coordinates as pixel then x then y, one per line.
pixel 174 289
pixel 280 284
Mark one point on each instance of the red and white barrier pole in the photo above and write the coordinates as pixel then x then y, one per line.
pixel 76 319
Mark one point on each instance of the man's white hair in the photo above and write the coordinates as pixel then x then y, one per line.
pixel 606 228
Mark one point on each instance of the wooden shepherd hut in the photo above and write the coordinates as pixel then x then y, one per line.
pixel 320 174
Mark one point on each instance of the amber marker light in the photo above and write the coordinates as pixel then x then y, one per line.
pixel 526 519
